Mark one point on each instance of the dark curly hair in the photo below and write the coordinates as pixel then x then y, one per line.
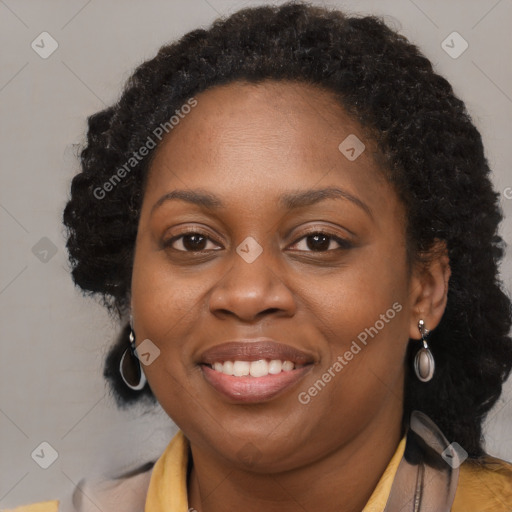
pixel 430 151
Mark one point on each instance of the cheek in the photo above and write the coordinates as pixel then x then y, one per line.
pixel 363 313
pixel 162 297
pixel 168 307
pixel 164 307
pixel 362 373
pixel 369 294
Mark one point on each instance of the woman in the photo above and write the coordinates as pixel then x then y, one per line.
pixel 294 213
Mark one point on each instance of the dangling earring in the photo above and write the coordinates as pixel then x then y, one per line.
pixel 130 367
pixel 424 364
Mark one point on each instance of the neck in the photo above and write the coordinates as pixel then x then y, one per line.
pixel 342 481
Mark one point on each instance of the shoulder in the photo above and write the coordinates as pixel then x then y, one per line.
pixel 126 492
pixel 485 485
pixel 46 506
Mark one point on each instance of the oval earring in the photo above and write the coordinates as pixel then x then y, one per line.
pixel 131 371
pixel 424 364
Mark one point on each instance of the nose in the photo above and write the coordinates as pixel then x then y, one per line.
pixel 249 291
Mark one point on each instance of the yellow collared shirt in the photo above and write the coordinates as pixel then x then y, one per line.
pixel 483 487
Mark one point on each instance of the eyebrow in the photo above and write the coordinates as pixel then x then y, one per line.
pixel 290 201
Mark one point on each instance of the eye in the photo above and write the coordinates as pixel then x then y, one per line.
pixel 316 241
pixel 192 241
pixel 320 241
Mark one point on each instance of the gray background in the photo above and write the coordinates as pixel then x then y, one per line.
pixel 53 341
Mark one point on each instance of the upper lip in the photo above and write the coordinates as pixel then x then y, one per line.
pixel 254 350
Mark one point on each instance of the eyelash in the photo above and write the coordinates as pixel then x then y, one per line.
pixel 343 243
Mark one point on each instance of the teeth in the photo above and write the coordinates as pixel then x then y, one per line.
pixel 287 366
pixel 260 368
pixel 226 368
pixel 241 368
pixel 275 366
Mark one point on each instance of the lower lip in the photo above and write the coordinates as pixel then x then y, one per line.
pixel 253 389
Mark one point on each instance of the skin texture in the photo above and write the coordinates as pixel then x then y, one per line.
pixel 249 144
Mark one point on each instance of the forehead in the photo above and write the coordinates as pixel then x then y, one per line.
pixel 242 138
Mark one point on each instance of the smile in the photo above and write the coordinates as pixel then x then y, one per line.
pixel 257 369
pixel 251 371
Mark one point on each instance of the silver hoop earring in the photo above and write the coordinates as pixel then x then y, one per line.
pixel 130 368
pixel 424 364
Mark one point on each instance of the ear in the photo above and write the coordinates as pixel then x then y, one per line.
pixel 130 312
pixel 429 288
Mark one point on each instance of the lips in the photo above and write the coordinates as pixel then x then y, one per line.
pixel 254 350
pixel 254 370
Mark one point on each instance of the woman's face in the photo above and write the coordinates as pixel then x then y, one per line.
pixel 246 264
